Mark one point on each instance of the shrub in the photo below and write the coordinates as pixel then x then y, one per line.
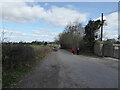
pixel 15 56
pixel 18 59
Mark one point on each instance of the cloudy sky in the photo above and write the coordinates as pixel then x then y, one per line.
pixel 28 21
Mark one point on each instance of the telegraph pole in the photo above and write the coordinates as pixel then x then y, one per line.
pixel 101 27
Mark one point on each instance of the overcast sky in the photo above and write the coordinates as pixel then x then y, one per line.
pixel 28 21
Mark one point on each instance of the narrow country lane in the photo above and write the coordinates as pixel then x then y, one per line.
pixel 61 69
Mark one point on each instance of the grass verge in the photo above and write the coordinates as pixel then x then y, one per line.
pixel 12 78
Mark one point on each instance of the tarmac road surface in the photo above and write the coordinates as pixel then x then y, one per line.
pixel 61 69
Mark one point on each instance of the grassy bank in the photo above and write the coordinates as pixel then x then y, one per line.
pixel 13 71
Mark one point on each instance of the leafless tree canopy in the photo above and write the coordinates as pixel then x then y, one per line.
pixel 71 36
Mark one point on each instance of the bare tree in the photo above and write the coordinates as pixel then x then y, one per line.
pixel 71 36
pixel 5 36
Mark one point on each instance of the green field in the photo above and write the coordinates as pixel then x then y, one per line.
pixel 54 45
pixel 38 46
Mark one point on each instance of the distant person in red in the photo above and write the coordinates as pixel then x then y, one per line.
pixel 73 50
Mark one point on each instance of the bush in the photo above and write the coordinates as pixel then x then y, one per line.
pixel 15 56
pixel 18 59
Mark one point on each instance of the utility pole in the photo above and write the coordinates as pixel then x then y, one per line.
pixel 101 27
